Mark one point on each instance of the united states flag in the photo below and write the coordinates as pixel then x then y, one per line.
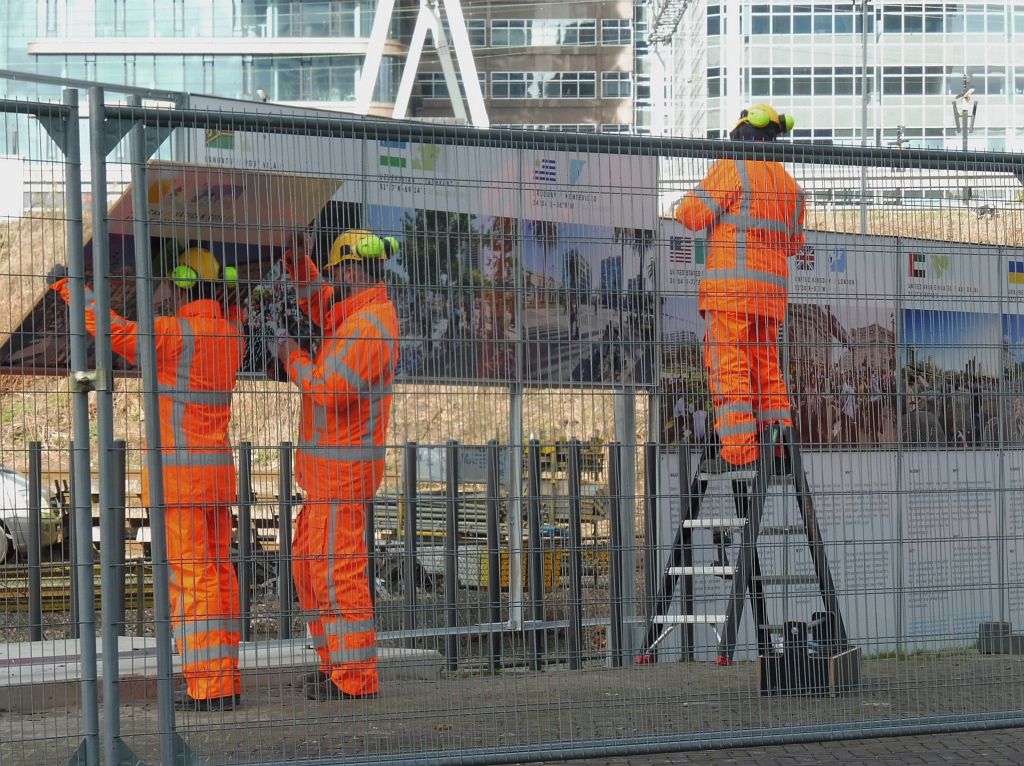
pixel 680 250
pixel 545 171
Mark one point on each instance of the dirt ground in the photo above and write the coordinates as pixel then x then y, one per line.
pixel 463 711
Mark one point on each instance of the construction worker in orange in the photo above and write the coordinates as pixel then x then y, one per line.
pixel 198 354
pixel 339 459
pixel 754 213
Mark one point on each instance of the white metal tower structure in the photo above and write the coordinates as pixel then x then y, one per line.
pixel 665 18
pixel 430 20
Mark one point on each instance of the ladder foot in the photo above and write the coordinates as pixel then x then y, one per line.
pixel 723 661
pixel 647 658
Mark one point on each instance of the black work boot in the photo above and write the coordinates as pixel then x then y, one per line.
pixel 182 701
pixel 325 689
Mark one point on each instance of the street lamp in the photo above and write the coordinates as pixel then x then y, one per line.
pixel 965 110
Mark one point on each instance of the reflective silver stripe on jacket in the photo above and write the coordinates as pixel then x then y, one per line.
pixel 180 454
pixel 796 229
pixel 744 221
pixel 773 415
pixel 734 408
pixel 737 429
pixel 710 202
pixel 310 289
pixel 209 654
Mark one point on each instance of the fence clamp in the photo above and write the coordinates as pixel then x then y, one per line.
pixel 88 380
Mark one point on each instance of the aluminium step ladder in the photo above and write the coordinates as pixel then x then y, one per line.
pixel 750 491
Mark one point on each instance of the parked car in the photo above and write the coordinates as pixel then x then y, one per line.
pixel 14 516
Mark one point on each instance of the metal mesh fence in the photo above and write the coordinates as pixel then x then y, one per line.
pixel 440 460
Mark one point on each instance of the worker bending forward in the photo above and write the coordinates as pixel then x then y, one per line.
pixel 198 354
pixel 339 460
pixel 754 211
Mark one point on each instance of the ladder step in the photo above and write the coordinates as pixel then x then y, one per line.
pixel 782 531
pixel 773 481
pixel 711 523
pixel 717 571
pixel 788 579
pixel 688 619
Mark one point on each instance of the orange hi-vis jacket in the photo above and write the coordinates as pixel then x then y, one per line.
pixel 347 388
pixel 198 354
pixel 755 212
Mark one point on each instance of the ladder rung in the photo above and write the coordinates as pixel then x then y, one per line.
pixel 714 523
pixel 718 571
pixel 791 529
pixel 689 619
pixel 788 579
pixel 775 480
pixel 772 628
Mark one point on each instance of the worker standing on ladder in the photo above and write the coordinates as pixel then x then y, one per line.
pixel 754 211
pixel 339 462
pixel 198 354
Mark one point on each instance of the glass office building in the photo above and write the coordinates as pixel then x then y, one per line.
pixel 307 52
pixel 807 59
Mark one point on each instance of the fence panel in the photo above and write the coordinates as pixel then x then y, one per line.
pixel 549 388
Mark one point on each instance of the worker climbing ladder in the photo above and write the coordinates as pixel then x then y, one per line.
pixel 794 657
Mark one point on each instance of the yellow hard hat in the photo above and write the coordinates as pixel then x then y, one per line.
pixel 762 115
pixel 359 244
pixel 194 265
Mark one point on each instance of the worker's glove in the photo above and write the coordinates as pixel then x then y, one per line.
pixel 276 336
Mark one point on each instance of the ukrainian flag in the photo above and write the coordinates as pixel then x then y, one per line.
pixel 1015 272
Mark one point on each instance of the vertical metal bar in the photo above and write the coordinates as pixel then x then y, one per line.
pixel 409 543
pixel 575 636
pixel 140 595
pixel 73 631
pixel 535 569
pixel 625 436
pixel 451 535
pixel 493 553
pixel 245 538
pixel 82 481
pixel 370 537
pixel 285 587
pixel 650 525
pixel 105 423
pixel 689 507
pixel 615 554
pixel 35 511
pixel 120 457
pixel 864 114
pixel 154 458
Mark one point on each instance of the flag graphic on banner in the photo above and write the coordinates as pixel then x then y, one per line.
pixel 1015 272
pixel 576 170
pixel 545 171
pixel 680 250
pixel 917 265
pixel 390 159
pixel 805 258
pixel 837 260
pixel 220 139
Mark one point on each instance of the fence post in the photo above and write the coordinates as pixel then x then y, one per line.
pixel 285 588
pixel 244 538
pixel 493 554
pixel 35 510
pixel 170 747
pixel 409 544
pixel 81 479
pixel 370 538
pixel 118 512
pixel 535 568
pixel 575 638
pixel 72 546
pixel 615 555
pixel 451 553
pixel 651 556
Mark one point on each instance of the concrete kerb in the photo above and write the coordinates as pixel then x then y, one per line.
pixel 44 675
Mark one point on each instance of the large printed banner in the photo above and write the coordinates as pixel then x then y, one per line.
pixel 904 361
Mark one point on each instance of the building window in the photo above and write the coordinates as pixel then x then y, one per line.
pixel 616 85
pixel 512 33
pixel 433 85
pixel 615 127
pixel 616 32
pixel 714 82
pixel 558 127
pixel 477 29
pixel 570 85
pixel 714 21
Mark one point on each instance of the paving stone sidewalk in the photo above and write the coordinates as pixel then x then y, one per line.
pixel 1001 747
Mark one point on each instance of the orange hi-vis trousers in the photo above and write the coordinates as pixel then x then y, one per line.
pixel 334 591
pixel 742 358
pixel 204 599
